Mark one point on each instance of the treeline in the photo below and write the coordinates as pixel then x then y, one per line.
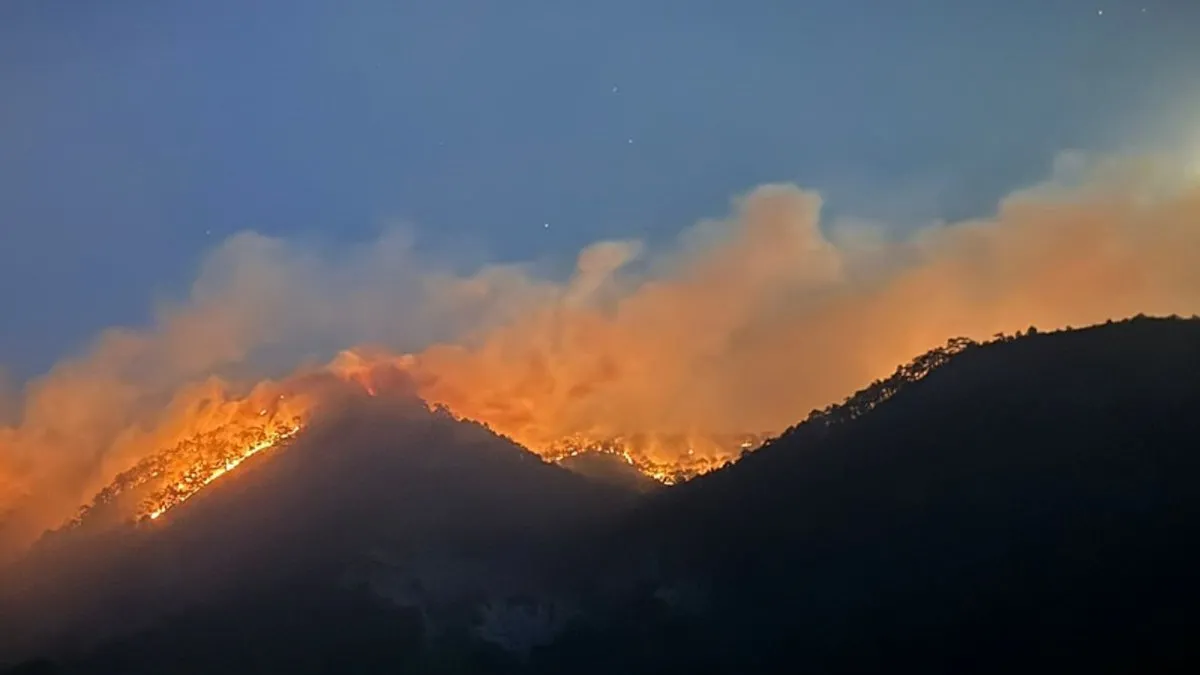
pixel 818 422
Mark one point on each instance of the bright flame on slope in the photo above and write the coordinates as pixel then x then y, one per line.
pixel 193 464
pixel 183 492
pixel 643 452
pixel 210 435
pixel 188 465
pixel 747 323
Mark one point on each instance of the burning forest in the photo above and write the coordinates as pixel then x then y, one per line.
pixel 172 476
pixel 673 363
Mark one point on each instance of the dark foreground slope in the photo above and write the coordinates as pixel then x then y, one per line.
pixel 1030 504
pixel 379 524
pixel 1026 505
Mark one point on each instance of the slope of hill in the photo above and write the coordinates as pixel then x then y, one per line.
pixel 1027 504
pixel 378 481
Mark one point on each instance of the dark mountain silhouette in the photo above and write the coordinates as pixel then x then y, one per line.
pixel 375 482
pixel 1026 504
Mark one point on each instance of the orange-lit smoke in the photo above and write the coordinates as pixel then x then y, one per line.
pixel 762 317
pixel 748 325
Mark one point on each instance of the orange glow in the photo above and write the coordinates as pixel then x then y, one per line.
pixel 181 472
pixel 670 360
pixel 190 463
pixel 209 436
pixel 179 493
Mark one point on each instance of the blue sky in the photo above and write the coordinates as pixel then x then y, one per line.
pixel 136 134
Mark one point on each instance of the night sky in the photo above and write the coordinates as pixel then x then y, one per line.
pixel 135 135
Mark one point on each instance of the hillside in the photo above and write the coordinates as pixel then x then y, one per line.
pixel 378 482
pixel 1026 504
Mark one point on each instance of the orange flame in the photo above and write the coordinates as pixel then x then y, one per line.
pixel 237 430
pixel 752 322
pixel 182 491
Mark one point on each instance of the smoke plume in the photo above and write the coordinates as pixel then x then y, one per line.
pixel 750 322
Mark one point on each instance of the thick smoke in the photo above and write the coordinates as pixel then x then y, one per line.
pixel 760 318
pixel 257 304
pixel 751 322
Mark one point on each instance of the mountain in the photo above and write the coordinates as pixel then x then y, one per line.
pixel 380 499
pixel 1026 504
pixel 1031 503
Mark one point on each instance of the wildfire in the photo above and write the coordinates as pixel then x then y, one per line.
pixel 208 449
pixel 185 489
pixel 642 452
pixel 666 458
pixel 179 473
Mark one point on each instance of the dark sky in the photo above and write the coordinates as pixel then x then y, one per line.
pixel 137 134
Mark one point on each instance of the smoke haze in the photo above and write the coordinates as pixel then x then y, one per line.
pixel 750 322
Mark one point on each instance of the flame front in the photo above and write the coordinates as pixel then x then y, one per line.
pixel 174 476
pixel 213 439
pixel 194 479
pixel 204 434
pixel 752 321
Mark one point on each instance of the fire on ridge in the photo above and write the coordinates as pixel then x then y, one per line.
pixel 173 476
pixel 176 475
pixel 194 479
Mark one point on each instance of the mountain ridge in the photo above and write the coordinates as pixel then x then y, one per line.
pixel 1036 474
pixel 1021 503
